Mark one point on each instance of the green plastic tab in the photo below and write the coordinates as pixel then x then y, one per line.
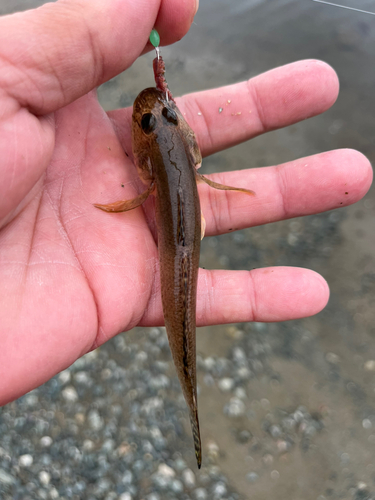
pixel 155 38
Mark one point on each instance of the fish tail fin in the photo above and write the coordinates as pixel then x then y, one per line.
pixel 196 436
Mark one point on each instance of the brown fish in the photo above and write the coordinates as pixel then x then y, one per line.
pixel 167 155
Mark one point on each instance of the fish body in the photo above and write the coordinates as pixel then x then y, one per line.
pixel 167 154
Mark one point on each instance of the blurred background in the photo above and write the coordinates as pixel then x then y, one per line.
pixel 287 410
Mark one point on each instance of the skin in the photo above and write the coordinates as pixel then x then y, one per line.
pixel 56 247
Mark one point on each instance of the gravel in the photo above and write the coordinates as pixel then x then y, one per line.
pixel 103 430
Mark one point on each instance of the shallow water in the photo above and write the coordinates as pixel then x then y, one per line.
pixel 307 429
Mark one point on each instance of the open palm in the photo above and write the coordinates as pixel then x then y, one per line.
pixel 72 276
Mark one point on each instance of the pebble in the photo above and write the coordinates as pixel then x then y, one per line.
pixel 252 477
pixel 6 478
pixel 95 420
pixel 106 374
pixel 42 494
pixel 200 494
pixel 80 418
pixel 141 357
pixel 213 450
pixel 46 441
pixel 125 496
pixel 275 475
pixel 268 459
pixel 111 496
pixel 239 356
pixel 283 446
pixel 292 239
pixel 226 384
pixel 88 445
pixel 180 464
pixel 54 494
pixel 161 366
pixel 83 378
pixel 235 408
pixel 298 416
pixel 108 445
pixel 177 486
pixel 188 478
pixel 31 399
pixel 151 405
pixel 64 377
pixel 44 477
pixel 103 485
pixel 366 423
pixel 275 431
pixel 370 365
pixel 153 496
pixel 243 373
pixel 70 394
pixel 240 393
pixel 243 436
pixel 160 382
pixel 162 479
pixel 219 490
pixel 332 358
pixel 361 485
pixel 209 364
pixel 166 471
pixel 25 461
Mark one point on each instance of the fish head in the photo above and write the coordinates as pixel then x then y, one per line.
pixel 155 120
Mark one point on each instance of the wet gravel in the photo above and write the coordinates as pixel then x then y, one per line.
pixel 109 426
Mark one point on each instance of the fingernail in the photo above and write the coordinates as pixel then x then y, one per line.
pixel 196 6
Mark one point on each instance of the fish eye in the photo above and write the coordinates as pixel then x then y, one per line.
pixel 170 115
pixel 148 123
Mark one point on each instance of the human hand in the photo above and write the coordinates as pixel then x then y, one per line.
pixel 72 276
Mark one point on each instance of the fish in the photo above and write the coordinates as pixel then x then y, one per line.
pixel 167 157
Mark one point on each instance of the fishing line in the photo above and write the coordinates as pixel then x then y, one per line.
pixel 345 7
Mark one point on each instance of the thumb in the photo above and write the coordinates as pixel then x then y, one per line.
pixel 52 55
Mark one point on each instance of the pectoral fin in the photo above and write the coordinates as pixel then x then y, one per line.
pixel 216 185
pixel 126 205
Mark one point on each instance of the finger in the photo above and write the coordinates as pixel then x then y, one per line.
pixel 52 55
pixel 269 294
pixel 306 186
pixel 272 100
